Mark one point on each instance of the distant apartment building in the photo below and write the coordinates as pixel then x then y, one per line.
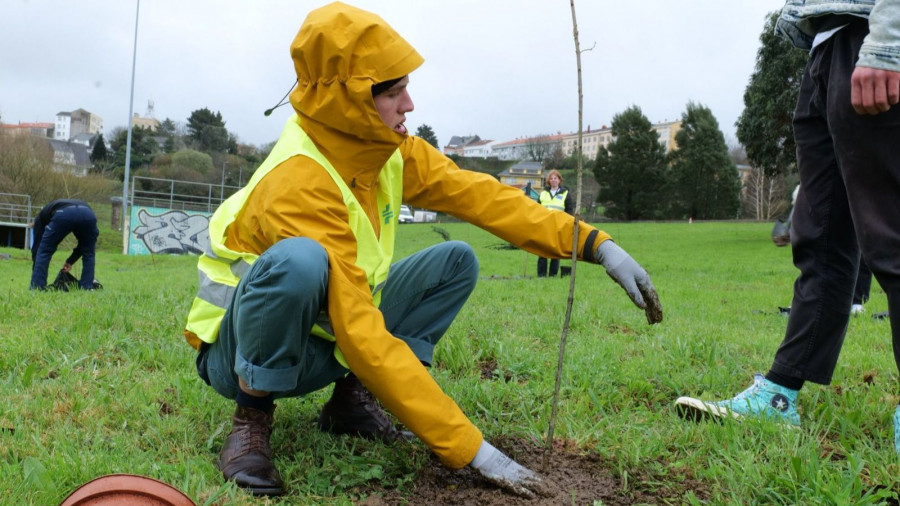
pixel 149 123
pixel 479 149
pixel 70 138
pixel 511 150
pixel 458 143
pixel 591 140
pixel 70 124
pixel 526 147
pixel 38 129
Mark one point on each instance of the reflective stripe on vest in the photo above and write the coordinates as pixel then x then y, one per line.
pixel 220 269
pixel 558 202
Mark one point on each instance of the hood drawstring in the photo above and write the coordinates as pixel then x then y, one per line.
pixel 282 102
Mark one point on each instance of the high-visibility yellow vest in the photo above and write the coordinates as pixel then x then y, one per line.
pixel 558 202
pixel 220 269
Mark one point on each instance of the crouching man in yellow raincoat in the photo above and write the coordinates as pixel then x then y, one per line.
pixel 298 289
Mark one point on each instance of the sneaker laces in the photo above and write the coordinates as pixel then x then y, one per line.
pixel 751 390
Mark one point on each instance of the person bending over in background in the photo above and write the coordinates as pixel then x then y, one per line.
pixel 55 221
pixel 298 289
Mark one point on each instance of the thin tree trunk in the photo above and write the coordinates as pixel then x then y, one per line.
pixel 569 302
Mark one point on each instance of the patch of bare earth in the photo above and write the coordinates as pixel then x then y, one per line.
pixel 578 479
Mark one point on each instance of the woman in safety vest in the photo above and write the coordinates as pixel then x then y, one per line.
pixel 554 196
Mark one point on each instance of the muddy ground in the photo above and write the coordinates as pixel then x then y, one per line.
pixel 579 479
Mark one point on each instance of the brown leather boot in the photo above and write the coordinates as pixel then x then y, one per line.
pixel 353 410
pixel 246 458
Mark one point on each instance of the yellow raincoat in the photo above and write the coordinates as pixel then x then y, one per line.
pixel 339 53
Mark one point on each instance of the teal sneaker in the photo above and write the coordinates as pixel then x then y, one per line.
pixel 897 429
pixel 762 399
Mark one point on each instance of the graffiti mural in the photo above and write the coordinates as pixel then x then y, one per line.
pixel 155 231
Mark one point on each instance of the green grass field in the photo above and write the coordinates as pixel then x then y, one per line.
pixel 102 382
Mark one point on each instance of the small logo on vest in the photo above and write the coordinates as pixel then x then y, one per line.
pixel 387 214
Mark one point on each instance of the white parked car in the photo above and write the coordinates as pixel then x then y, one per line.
pixel 406 215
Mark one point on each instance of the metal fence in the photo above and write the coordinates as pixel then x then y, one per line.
pixel 15 220
pixel 15 209
pixel 181 195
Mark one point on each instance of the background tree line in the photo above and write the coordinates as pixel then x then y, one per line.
pixel 699 180
pixel 637 179
pixel 201 150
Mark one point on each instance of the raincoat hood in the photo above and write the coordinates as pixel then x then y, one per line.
pixel 339 53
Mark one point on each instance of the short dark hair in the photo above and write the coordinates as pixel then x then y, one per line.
pixel 383 86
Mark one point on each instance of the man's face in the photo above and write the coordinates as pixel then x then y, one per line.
pixel 393 104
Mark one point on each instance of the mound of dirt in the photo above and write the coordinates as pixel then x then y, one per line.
pixel 578 479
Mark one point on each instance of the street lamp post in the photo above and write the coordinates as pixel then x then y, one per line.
pixel 126 222
pixel 222 186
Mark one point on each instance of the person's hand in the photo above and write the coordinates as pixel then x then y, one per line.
pixel 67 267
pixel 874 91
pixel 632 277
pixel 507 474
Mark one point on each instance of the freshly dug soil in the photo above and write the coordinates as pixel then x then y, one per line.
pixel 578 479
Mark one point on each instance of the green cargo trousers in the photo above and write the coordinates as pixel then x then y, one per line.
pixel 265 334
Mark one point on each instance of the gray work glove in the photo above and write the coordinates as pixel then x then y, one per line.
pixel 507 474
pixel 630 276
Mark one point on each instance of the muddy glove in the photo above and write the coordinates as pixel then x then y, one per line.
pixel 630 276
pixel 507 474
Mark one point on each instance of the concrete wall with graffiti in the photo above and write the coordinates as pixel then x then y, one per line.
pixel 156 230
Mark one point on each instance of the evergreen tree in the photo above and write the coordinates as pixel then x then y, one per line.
pixel 231 147
pixel 207 130
pixel 143 148
pixel 703 181
pixel 167 128
pixel 764 127
pixel 631 170
pixel 99 154
pixel 169 146
pixel 426 133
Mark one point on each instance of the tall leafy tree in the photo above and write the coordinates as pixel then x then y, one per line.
pixel 426 133
pixel 208 130
pixel 764 127
pixel 631 170
pixel 703 180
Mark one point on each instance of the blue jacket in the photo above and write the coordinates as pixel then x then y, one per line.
pixel 43 219
pixel 801 19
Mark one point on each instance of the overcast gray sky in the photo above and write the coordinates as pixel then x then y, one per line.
pixel 500 69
